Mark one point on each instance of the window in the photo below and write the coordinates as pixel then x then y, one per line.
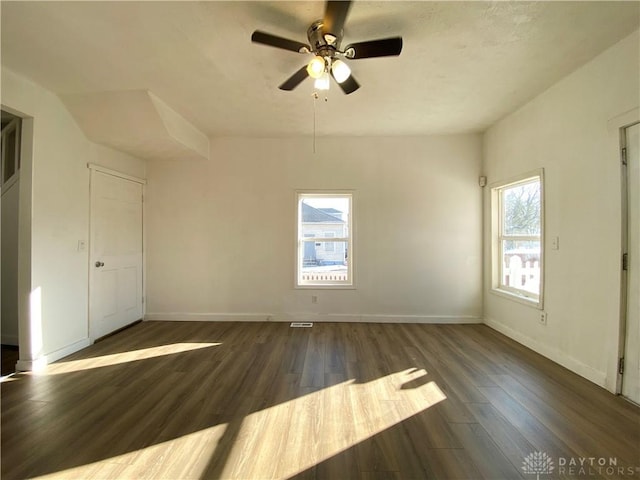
pixel 10 148
pixel 329 246
pixel 322 263
pixel 517 228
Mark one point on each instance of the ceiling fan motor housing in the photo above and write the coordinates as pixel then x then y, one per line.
pixel 324 44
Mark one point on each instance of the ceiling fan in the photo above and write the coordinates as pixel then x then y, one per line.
pixel 324 38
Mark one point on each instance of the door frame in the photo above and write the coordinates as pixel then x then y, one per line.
pixel 624 283
pixel 616 127
pixel 95 168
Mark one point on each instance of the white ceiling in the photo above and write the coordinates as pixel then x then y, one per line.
pixel 464 64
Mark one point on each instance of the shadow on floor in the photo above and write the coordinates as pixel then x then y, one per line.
pixel 10 356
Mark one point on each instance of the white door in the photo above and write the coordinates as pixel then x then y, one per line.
pixel 115 260
pixel 631 375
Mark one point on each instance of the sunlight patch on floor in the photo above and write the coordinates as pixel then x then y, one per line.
pixel 274 443
pixel 123 357
pixel 186 457
pixel 279 441
pixel 9 378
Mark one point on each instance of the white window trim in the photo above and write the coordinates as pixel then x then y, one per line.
pixel 517 295
pixel 299 196
pixel 15 126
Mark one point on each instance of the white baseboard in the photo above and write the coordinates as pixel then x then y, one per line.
pixel 309 317
pixel 31 365
pixel 68 350
pixel 209 317
pixel 44 360
pixel 558 356
pixel 369 318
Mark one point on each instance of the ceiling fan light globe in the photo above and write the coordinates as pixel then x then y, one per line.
pixel 323 82
pixel 340 70
pixel 315 69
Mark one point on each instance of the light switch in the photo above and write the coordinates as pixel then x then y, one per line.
pixel 555 243
pixel 82 245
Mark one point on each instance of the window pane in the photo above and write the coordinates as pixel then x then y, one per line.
pixel 325 216
pixel 9 155
pixel 321 263
pixel 329 246
pixel 521 265
pixel 521 209
pixel 324 239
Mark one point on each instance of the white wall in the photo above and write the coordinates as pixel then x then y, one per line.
pixel 221 233
pixel 54 185
pixel 568 131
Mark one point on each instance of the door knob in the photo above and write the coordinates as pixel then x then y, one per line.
pixel 99 264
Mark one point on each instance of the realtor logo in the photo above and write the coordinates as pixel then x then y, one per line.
pixel 537 463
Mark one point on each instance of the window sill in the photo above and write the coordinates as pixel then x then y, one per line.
pixel 530 302
pixel 325 287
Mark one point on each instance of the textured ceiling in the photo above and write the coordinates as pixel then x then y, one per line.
pixel 464 64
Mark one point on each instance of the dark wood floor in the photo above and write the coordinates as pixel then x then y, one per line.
pixel 177 400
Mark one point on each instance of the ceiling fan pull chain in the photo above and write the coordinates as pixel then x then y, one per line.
pixel 315 97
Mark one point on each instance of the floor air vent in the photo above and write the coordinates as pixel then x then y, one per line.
pixel 301 324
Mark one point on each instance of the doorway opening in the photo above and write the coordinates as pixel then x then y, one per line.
pixel 11 136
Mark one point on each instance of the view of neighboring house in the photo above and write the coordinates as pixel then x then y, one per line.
pixel 323 223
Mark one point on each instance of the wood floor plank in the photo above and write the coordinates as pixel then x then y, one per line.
pixel 572 426
pixel 508 439
pixel 314 363
pixel 430 431
pixel 191 400
pixel 485 454
pixel 437 358
pixel 536 434
pixel 449 463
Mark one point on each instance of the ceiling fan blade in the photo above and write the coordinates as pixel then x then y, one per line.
pixel 349 85
pixel 279 42
pixel 335 15
pixel 294 80
pixel 384 47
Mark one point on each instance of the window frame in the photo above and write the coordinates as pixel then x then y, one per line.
pixel 498 237
pixel 301 195
pixel 11 157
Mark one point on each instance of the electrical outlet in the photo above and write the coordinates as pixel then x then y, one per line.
pixel 555 243
pixel 543 318
pixel 314 299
